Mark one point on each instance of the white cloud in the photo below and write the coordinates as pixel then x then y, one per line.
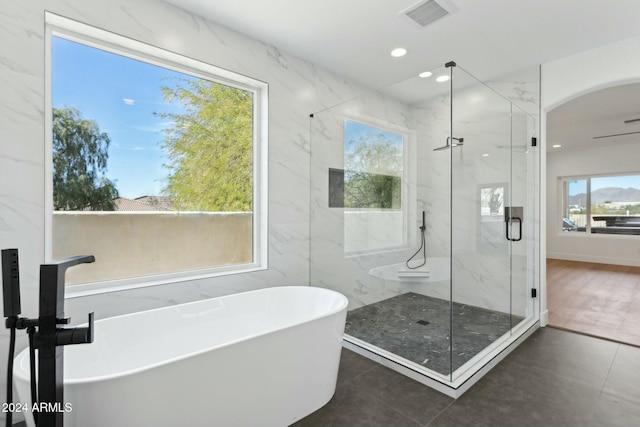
pixel 129 101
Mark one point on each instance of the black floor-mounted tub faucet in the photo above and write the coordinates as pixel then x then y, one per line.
pixel 44 334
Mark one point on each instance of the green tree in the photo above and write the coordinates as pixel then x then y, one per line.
pixel 80 153
pixel 209 147
pixel 373 170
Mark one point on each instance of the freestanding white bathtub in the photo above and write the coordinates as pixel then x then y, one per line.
pixel 261 358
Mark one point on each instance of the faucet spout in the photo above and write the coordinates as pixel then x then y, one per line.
pixel 52 285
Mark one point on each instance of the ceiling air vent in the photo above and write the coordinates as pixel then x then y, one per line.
pixel 424 13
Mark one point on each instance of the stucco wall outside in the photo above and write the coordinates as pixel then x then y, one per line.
pixel 143 244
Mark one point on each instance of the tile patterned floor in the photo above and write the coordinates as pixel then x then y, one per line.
pixel 555 378
pixel 417 328
pixel 596 299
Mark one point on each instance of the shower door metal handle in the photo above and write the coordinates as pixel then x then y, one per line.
pixel 514 218
pixel 511 214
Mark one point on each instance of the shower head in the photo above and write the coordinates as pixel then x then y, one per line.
pixel 458 142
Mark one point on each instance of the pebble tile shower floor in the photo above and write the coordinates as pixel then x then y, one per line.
pixel 417 327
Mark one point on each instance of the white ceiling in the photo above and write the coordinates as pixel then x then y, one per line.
pixel 489 38
pixel 575 123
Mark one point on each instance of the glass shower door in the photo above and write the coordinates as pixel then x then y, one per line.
pixel 486 221
pixel 422 198
pixel 523 178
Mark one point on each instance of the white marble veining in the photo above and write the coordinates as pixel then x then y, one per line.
pixel 296 88
pixel 333 261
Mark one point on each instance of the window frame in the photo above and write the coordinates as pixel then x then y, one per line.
pixel 58 26
pixel 563 187
pixel 409 213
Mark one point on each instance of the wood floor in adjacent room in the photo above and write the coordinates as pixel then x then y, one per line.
pixel 602 300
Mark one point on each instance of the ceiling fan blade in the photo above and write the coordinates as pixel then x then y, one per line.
pixel 615 134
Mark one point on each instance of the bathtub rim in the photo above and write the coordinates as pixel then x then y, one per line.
pixel 23 356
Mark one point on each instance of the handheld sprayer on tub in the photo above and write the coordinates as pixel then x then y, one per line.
pixel 44 334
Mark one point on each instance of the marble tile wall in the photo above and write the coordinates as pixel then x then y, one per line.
pixel 332 265
pixel 296 88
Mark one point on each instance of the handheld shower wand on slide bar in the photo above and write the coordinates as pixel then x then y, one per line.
pixel 422 248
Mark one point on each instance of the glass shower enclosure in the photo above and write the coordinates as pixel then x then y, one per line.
pixel 423 213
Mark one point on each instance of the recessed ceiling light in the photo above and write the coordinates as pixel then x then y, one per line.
pixel 556 146
pixel 398 52
pixel 425 74
pixel 442 79
pixel 485 155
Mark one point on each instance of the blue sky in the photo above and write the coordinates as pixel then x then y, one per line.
pixel 628 181
pixel 353 131
pixel 121 95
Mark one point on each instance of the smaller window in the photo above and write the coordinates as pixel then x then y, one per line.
pixel 373 186
pixel 602 205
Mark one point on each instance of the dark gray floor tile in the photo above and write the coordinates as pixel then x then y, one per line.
pixel 352 364
pixel 555 378
pixel 624 378
pixel 354 407
pixel 614 412
pixel 414 400
pixel 512 396
pixel 567 354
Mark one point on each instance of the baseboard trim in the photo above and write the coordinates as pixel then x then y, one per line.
pixel 544 318
pixel 595 259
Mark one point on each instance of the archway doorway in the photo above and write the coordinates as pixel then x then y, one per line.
pixel 593 214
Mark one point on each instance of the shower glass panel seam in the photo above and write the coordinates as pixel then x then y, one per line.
pixel 451 337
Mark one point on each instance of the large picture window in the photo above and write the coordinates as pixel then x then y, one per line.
pixel 602 204
pixel 157 161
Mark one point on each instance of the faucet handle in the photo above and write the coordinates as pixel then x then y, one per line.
pixel 90 328
pixel 80 335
